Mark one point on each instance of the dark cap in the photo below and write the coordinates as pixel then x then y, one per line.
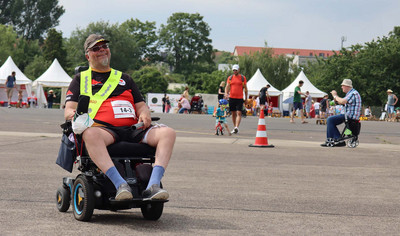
pixel 92 40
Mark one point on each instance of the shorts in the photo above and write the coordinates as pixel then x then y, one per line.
pixel 262 101
pixel 235 104
pixel 390 109
pixel 297 105
pixel 126 133
pixel 308 109
pixel 9 92
pixel 317 112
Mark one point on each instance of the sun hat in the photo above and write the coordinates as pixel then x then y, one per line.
pixel 92 39
pixel 235 67
pixel 347 82
pixel 389 91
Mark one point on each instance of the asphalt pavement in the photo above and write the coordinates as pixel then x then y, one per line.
pixel 217 184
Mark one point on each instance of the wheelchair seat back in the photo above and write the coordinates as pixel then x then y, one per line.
pixel 354 126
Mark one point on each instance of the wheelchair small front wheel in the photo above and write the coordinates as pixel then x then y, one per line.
pixel 63 198
pixel 352 143
pixel 83 199
pixel 152 211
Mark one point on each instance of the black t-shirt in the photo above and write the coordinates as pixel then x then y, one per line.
pixel 221 96
pixel 323 104
pixel 263 92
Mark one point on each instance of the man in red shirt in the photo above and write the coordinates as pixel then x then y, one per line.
pixel 121 107
pixel 234 89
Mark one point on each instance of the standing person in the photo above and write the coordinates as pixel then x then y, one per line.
pixel 50 99
pixel 367 111
pixel 352 101
pixel 164 100
pixel 264 97
pixel 316 107
pixel 168 104
pixel 114 111
pixel 20 96
pixel 10 85
pixel 297 103
pixel 185 93
pixel 308 103
pixel 235 85
pixel 221 90
pixel 324 106
pixel 391 102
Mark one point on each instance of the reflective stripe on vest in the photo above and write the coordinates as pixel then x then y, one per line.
pixel 105 91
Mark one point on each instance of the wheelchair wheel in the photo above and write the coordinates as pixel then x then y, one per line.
pixel 152 211
pixel 222 131
pixel 330 142
pixel 63 198
pixel 352 143
pixel 83 199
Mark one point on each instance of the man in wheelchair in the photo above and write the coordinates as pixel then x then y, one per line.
pixel 115 105
pixel 352 103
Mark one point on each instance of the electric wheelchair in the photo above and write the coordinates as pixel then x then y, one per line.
pixel 92 189
pixel 349 134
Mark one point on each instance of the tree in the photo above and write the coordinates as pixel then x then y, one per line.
pixel 132 44
pixel 31 18
pixel 373 68
pixel 53 47
pixel 37 67
pixel 276 70
pixel 186 39
pixel 8 40
pixel 150 80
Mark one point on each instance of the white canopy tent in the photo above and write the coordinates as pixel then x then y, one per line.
pixel 23 82
pixel 258 81
pixel 307 86
pixel 54 77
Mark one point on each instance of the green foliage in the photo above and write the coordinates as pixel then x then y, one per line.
pixel 186 38
pixel 31 18
pixel 150 80
pixel 37 67
pixel 276 69
pixel 53 47
pixel 222 57
pixel 373 68
pixel 8 40
pixel 205 82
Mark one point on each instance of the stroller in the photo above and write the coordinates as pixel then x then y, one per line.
pixel 196 104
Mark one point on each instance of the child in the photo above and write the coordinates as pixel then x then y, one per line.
pixel 20 96
pixel 220 114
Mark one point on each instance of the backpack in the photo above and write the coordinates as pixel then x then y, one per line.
pixel 230 79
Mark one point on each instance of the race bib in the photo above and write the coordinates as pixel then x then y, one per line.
pixel 123 109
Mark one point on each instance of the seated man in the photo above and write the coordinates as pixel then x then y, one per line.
pixel 352 101
pixel 115 105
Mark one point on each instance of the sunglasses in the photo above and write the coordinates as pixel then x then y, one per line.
pixel 97 48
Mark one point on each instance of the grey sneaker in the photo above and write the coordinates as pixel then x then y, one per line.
pixel 155 192
pixel 124 192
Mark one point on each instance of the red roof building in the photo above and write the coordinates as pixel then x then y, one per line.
pixel 241 50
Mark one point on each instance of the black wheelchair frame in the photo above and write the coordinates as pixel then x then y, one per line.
pixel 92 189
pixel 350 134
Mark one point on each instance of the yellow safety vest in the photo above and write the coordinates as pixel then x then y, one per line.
pixel 97 99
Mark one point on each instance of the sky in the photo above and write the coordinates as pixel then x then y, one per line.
pixel 302 24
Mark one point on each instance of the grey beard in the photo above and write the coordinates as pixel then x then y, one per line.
pixel 105 62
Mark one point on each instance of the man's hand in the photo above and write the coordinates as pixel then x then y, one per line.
pixel 145 117
pixel 81 123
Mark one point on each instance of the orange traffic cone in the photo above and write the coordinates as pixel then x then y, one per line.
pixel 261 136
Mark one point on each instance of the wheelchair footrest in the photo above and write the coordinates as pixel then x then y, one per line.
pixel 135 200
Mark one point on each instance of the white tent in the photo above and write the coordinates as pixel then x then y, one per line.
pixel 23 82
pixel 307 86
pixel 258 81
pixel 54 77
